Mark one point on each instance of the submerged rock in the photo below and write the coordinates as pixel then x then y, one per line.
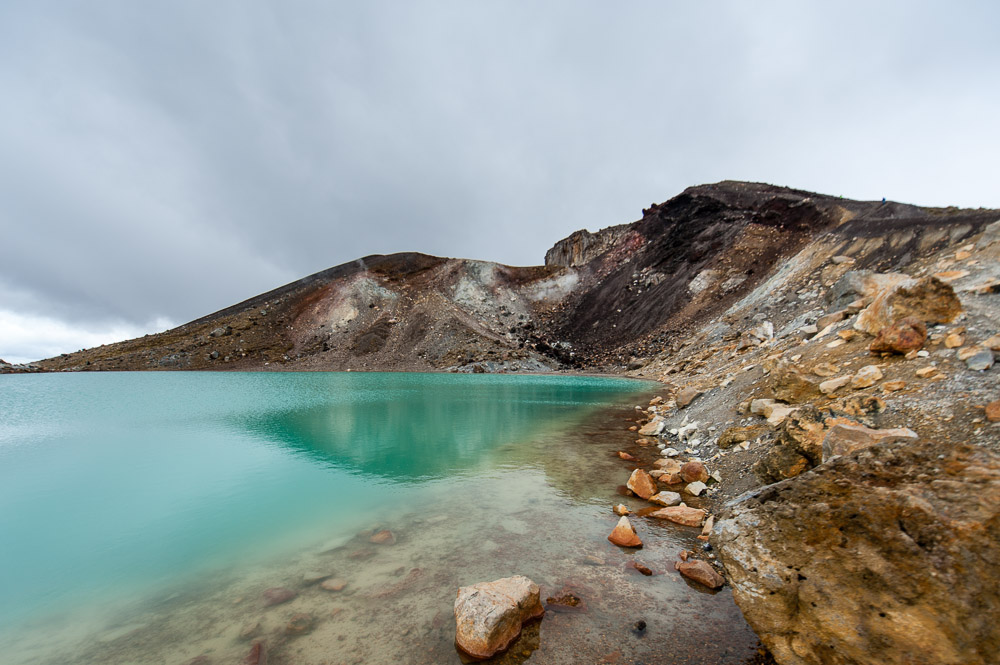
pixel 624 535
pixel 383 537
pixel 257 655
pixel 700 572
pixel 642 484
pixel 278 595
pixel 681 515
pixel 878 557
pixel 489 615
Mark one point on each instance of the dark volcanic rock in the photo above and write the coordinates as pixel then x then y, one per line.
pixel 883 556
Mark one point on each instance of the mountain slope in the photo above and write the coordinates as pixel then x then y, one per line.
pixel 602 299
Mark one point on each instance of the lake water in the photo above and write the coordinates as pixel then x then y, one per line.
pixel 144 515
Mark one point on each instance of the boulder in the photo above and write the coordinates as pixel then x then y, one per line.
pixel 792 385
pixel 666 498
pixel 980 361
pixel 489 615
pixel 866 377
pixel 803 432
pixel 668 464
pixel 653 427
pixel 833 385
pixel 642 484
pixel 687 395
pixel 696 488
pixel 927 299
pixel 700 572
pixel 624 535
pixel 903 336
pixel 693 472
pixel 734 435
pixel 681 515
pixel 880 557
pixel 779 463
pixel 844 438
pixel 757 406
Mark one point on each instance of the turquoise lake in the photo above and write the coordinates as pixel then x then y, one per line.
pixel 142 515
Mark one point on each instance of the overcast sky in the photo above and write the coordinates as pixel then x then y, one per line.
pixel 162 160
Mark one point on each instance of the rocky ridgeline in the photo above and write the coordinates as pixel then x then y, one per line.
pixel 847 442
pixel 18 368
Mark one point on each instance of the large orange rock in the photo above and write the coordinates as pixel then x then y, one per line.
pixel 642 484
pixel 681 515
pixel 624 535
pixel 700 572
pixel 489 615
pixel 885 556
pixel 903 336
pixel 694 472
pixel 928 299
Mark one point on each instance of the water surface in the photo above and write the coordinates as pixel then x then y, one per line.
pixel 142 515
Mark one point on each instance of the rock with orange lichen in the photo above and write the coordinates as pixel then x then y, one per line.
pixel 489 615
pixel 624 535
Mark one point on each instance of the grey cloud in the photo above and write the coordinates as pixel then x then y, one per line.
pixel 169 159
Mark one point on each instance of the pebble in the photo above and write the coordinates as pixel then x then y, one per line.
pixel 893 386
pixel 866 377
pixel 833 385
pixel 925 372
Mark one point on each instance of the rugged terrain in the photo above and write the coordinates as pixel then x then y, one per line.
pixel 829 361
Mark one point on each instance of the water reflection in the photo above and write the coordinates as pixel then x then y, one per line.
pixel 410 431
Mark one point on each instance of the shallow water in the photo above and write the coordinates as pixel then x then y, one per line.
pixel 143 515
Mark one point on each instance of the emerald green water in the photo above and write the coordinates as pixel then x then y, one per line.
pixel 142 514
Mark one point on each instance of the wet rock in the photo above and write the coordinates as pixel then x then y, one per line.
pixel 681 515
pixel 666 498
pixel 489 615
pixel 734 435
pixel 621 509
pixel 903 336
pixel 878 557
pixel 278 595
pixel 843 439
pixel 250 631
pixel 696 488
pixel 653 427
pixel 668 464
pixel 257 655
pixel 333 584
pixel 980 361
pixel 383 537
pixel 927 299
pixel 567 599
pixel 993 411
pixel 642 484
pixel 866 377
pixel 833 385
pixel 300 624
pixel 694 472
pixel 700 572
pixel 635 565
pixel 624 535
pixel 686 396
pixel 625 456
